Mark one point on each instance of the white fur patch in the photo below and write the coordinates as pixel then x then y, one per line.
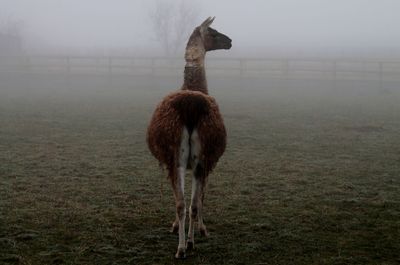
pixel 195 149
pixel 184 149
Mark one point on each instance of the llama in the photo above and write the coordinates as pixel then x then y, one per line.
pixel 187 132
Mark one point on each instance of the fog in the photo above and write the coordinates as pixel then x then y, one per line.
pixel 309 95
pixel 304 26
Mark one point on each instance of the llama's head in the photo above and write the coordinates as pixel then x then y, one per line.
pixel 212 39
pixel 204 39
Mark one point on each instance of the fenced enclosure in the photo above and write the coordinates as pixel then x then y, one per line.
pixel 310 174
pixel 283 68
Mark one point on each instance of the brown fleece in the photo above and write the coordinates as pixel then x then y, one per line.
pixel 192 109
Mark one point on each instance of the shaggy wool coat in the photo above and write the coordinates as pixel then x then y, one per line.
pixel 195 111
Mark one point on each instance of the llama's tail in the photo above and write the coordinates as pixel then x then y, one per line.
pixel 191 109
pixel 192 106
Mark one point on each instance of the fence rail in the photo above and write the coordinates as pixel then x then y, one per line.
pixel 313 68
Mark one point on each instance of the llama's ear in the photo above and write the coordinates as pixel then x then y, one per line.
pixel 207 22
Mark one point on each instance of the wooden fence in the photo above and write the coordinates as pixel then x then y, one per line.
pixel 330 69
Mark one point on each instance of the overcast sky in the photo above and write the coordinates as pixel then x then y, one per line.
pixel 303 23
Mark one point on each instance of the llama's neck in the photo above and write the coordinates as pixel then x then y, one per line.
pixel 195 73
pixel 195 78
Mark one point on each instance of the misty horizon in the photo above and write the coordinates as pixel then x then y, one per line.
pixel 295 27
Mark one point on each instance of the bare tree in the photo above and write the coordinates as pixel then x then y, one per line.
pixel 10 26
pixel 172 22
pixel 10 35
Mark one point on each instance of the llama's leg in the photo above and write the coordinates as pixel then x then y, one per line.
pixel 193 211
pixel 180 211
pixel 175 226
pixel 178 188
pixel 196 187
pixel 200 175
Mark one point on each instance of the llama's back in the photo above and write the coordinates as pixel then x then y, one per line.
pixel 195 111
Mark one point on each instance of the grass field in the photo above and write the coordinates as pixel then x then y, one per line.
pixel 311 174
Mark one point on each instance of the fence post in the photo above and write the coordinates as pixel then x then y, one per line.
pixel 334 69
pixel 97 63
pixel 242 63
pixel 133 64
pixel 285 70
pixel 380 76
pixel 27 63
pixel 153 66
pixel 68 61
pixel 110 66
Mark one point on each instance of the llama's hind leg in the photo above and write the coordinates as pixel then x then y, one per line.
pixel 193 211
pixel 199 182
pixel 175 226
pixel 197 187
pixel 178 188
pixel 200 174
